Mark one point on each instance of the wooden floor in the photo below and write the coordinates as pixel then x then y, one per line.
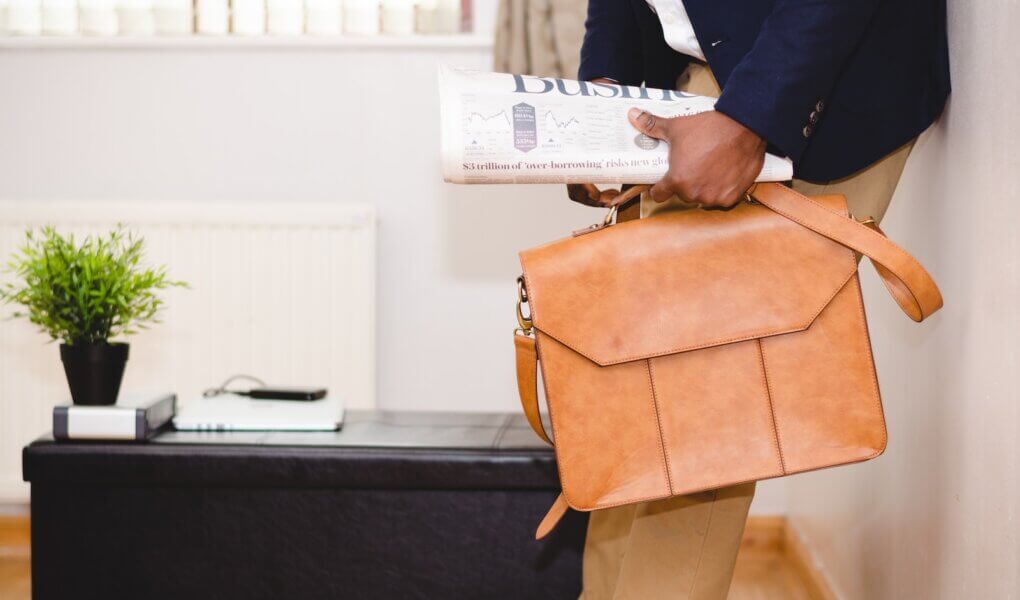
pixel 773 563
pixel 15 578
pixel 767 569
pixel 15 565
pixel 768 576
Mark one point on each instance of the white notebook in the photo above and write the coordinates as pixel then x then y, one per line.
pixel 228 412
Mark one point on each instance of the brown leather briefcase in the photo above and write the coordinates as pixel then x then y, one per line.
pixel 699 349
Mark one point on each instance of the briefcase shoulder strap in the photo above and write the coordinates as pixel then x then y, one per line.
pixel 527 383
pixel 907 281
pixel 527 388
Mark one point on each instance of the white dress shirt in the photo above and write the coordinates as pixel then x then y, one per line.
pixel 676 27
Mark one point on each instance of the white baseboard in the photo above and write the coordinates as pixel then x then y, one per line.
pixel 805 559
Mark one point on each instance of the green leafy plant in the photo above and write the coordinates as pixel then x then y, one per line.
pixel 88 292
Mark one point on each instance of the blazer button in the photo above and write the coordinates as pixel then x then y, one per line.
pixel 813 118
pixel 819 106
pixel 807 131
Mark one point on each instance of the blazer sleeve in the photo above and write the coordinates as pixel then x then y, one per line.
pixel 612 43
pixel 792 67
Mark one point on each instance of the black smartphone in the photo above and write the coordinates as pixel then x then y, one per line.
pixel 288 393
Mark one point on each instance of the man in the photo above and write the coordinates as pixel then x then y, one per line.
pixel 841 87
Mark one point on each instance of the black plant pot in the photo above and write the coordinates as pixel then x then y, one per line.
pixel 94 371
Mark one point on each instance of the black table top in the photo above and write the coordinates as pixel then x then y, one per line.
pixel 374 449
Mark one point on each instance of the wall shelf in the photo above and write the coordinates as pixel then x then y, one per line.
pixel 232 42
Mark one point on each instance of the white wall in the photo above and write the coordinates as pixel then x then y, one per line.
pixel 937 516
pixel 308 125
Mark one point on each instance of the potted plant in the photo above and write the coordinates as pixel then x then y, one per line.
pixel 84 295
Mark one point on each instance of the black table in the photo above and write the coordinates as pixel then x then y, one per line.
pixel 397 505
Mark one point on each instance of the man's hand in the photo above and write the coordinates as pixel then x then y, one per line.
pixel 713 159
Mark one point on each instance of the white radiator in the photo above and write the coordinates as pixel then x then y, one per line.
pixel 283 291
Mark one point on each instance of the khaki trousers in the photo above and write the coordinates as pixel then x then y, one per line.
pixel 685 548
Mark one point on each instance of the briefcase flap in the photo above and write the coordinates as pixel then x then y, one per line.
pixel 684 280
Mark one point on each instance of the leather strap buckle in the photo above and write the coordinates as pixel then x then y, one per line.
pixel 869 220
pixel 525 322
pixel 631 194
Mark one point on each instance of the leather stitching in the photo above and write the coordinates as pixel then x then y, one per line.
pixel 913 297
pixel 842 213
pixel 714 486
pixel 544 435
pixel 535 312
pixel 741 338
pixel 874 375
pixel 560 465
pixel 772 409
pixel 552 418
pixel 824 231
pixel 784 470
pixel 658 424
pixel 859 302
pixel 876 237
pixel 881 238
pixel 764 476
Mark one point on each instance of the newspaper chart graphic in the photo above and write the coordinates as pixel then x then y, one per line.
pixel 553 128
pixel 491 128
pixel 500 128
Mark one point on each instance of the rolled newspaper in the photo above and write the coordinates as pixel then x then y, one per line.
pixel 502 128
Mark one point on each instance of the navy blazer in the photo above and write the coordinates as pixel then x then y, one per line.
pixel 833 84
